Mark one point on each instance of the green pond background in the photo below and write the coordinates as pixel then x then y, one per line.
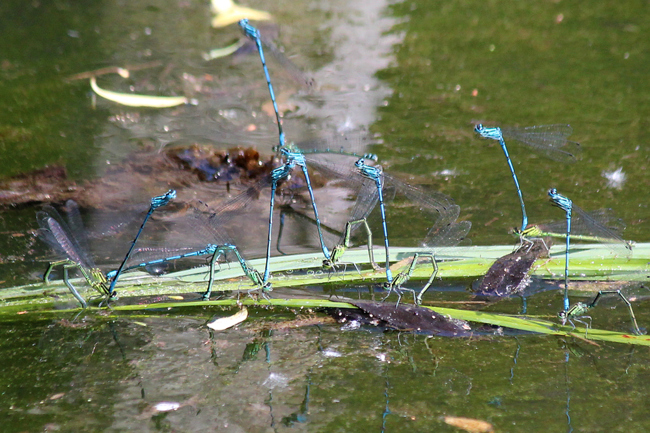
pixel 420 75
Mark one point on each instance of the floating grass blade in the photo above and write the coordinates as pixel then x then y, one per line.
pixel 590 263
pixel 533 325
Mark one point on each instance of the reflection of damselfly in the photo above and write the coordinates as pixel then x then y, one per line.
pixel 69 241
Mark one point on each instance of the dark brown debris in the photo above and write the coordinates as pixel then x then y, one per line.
pixel 404 317
pixel 138 177
pixel 509 274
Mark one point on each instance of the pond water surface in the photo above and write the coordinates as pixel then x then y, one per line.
pixel 417 74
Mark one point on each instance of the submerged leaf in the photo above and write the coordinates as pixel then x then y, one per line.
pixel 217 53
pixel 227 12
pixel 469 424
pixel 134 100
pixel 224 323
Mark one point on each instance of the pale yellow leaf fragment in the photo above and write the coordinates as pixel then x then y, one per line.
pixel 135 100
pixel 223 323
pixel 223 52
pixel 226 12
pixel 469 424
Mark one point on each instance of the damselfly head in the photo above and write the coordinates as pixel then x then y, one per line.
pixel 164 199
pixel 489 133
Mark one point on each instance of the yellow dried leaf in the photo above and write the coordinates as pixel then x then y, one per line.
pixel 227 12
pixel 217 53
pixel 223 323
pixel 134 100
pixel 469 424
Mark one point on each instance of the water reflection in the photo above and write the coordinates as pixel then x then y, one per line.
pixel 171 372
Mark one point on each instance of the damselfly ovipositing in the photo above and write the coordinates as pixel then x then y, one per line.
pixel 589 226
pixel 361 185
pixel 206 228
pixel 69 241
pixel 439 209
pixel 291 155
pixel 578 311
